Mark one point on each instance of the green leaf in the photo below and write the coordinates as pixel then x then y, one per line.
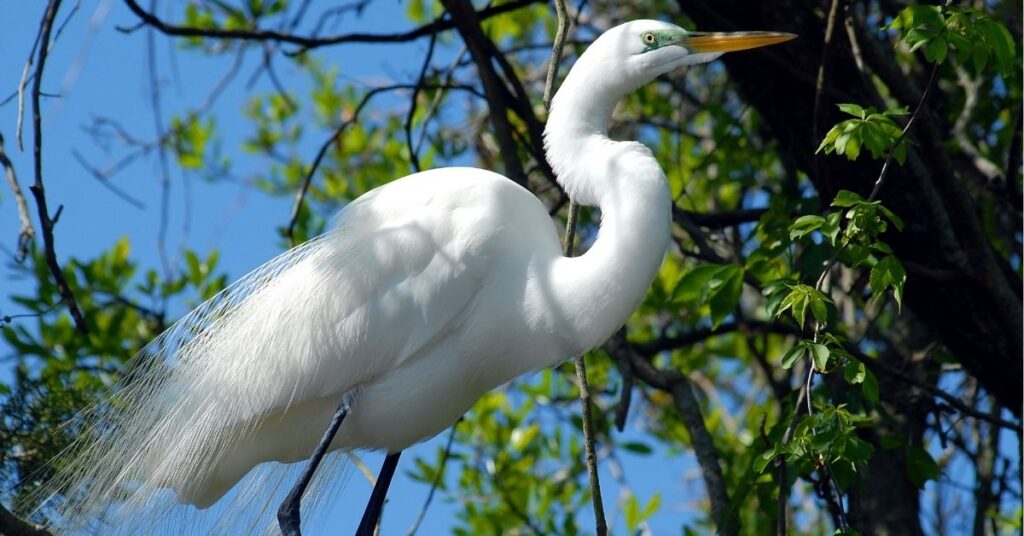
pixel 762 461
pixel 869 388
pixel 936 50
pixel 805 225
pixel 852 109
pixel 637 447
pixel 820 353
pixel 846 198
pixel 819 308
pixel 652 506
pixel 886 273
pixel 793 355
pixel 727 287
pixel 921 467
pixel 693 286
pixel 854 372
pixel 891 216
pixel 632 513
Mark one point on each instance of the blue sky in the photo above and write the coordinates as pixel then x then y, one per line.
pixel 98 71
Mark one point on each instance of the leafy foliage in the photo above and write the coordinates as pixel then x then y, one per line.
pixel 771 276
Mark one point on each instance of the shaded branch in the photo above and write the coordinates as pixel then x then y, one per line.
pixel 679 386
pixel 707 456
pixel 727 218
pixel 879 367
pixel 662 344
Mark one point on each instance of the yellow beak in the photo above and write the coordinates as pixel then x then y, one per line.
pixel 731 41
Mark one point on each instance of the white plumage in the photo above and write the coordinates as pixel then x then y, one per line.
pixel 429 291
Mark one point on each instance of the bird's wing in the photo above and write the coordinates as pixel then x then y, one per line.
pixel 339 310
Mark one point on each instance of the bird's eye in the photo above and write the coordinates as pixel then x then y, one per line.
pixel 649 38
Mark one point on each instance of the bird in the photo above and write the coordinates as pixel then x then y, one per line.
pixel 427 292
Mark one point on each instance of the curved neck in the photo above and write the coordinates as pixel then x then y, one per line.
pixel 594 294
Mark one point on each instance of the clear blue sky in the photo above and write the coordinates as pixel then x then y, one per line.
pixel 98 71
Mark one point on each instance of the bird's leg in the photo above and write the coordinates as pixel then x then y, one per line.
pixel 380 491
pixel 288 513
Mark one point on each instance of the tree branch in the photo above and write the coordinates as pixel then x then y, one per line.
pixel 467 22
pixel 38 190
pixel 305 42
pixel 679 386
pixel 26 233
pixel 13 525
pixel 707 456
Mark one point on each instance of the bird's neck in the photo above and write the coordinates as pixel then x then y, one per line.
pixel 595 293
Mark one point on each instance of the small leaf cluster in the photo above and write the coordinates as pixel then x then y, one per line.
pixel 826 438
pixel 870 129
pixel 865 221
pixel 979 39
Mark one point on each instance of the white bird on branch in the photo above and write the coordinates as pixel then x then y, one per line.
pixel 428 292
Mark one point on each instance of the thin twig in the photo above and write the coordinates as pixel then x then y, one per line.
pixel 885 170
pixel 23 84
pixel 413 158
pixel 38 190
pixel 601 524
pixel 438 476
pixel 26 233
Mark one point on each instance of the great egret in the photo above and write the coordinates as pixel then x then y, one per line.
pixel 428 292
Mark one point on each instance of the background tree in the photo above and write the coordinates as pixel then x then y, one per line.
pixel 835 337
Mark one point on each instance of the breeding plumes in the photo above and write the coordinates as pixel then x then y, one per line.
pixel 428 292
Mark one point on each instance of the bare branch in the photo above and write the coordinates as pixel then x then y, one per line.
pixel 26 233
pixel 413 158
pixel 306 43
pixel 38 190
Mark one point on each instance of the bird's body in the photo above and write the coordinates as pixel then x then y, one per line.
pixel 428 292
pixel 434 317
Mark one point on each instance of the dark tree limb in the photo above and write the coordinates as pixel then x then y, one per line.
pixel 707 457
pixel 38 190
pixel 308 42
pixel 12 525
pixel 467 22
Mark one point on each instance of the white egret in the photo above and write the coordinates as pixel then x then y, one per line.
pixel 428 292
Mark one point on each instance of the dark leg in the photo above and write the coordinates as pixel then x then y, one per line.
pixel 288 513
pixel 380 490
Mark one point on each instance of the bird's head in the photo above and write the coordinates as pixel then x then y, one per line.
pixel 636 52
